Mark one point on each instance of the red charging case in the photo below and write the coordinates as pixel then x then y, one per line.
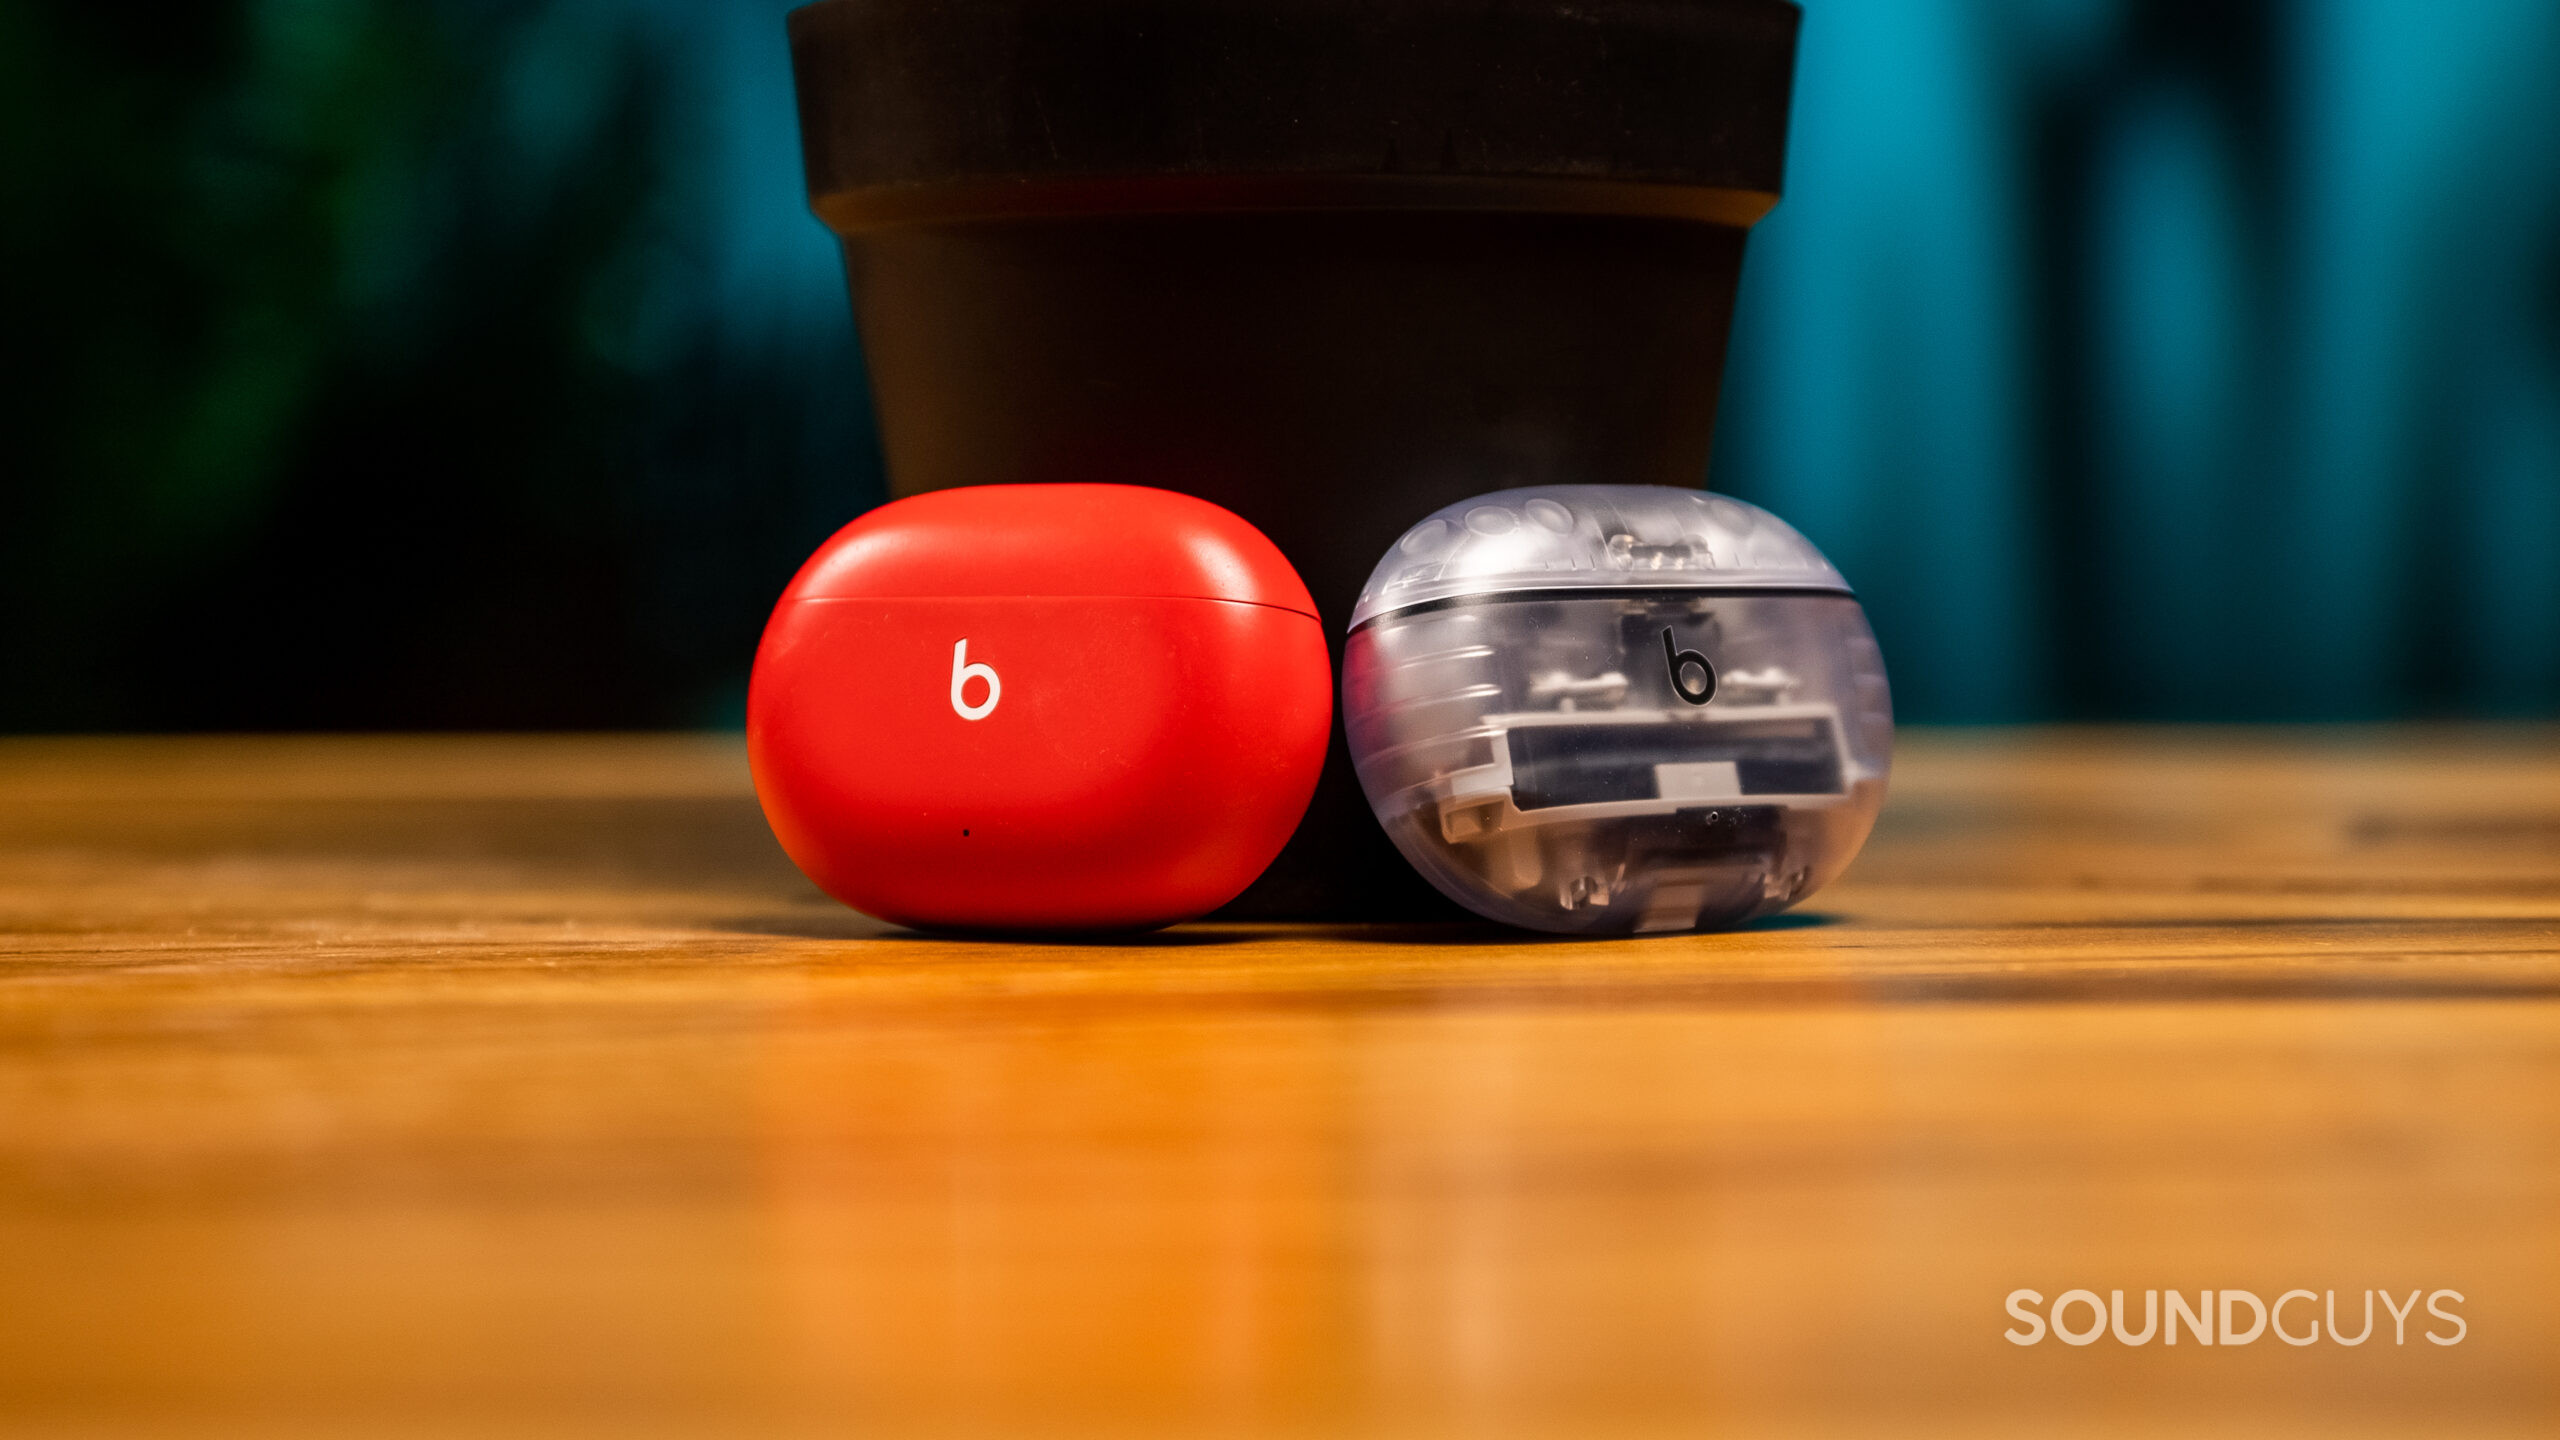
pixel 1040 707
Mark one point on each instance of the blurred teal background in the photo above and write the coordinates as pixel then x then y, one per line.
pixel 472 363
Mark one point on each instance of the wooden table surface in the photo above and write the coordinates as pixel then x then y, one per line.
pixel 519 1087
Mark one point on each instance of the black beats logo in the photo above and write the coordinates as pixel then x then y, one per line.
pixel 1699 691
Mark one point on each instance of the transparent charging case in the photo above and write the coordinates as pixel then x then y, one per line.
pixel 1616 709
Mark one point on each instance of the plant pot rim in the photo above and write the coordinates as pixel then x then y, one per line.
pixel 932 110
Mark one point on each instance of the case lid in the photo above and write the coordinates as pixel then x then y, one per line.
pixel 1052 540
pixel 1592 537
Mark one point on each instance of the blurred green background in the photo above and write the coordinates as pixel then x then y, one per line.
pixel 463 363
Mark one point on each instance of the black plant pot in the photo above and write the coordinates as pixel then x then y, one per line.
pixel 1329 263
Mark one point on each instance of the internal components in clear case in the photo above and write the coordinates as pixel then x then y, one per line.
pixel 1616 709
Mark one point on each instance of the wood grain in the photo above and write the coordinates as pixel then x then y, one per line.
pixel 518 1086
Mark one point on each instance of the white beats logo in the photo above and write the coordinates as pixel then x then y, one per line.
pixel 962 672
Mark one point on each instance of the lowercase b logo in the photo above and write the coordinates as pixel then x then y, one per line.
pixel 1696 692
pixel 962 672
